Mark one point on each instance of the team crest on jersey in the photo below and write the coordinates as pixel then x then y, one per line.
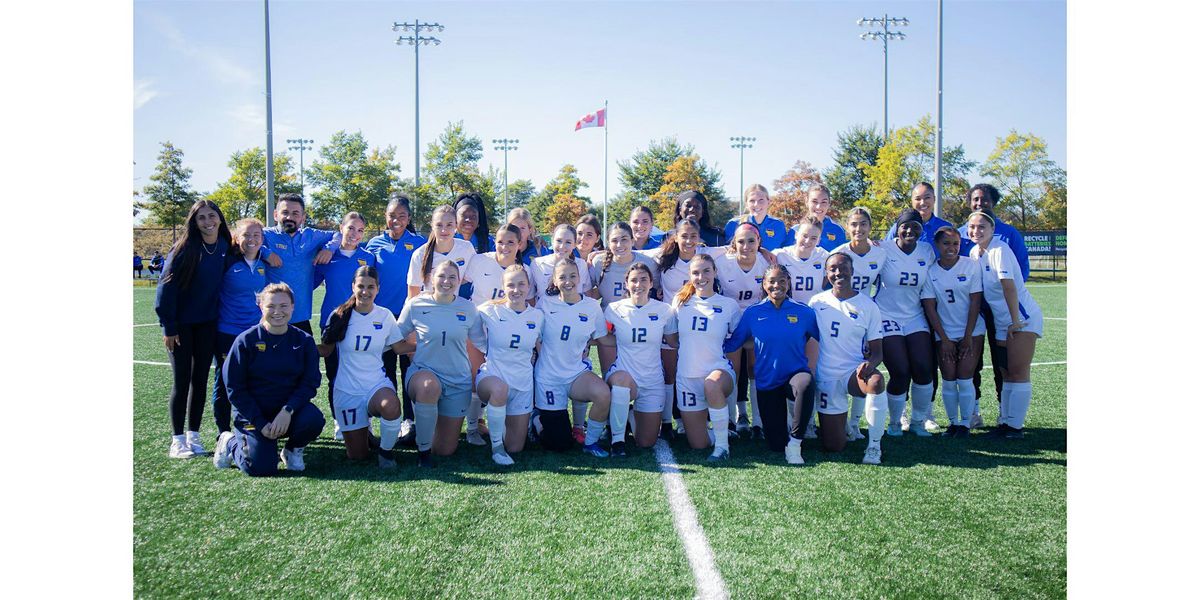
pixel 817 266
pixel 962 277
pixel 758 280
pixel 362 263
pixel 460 262
pixel 853 313
pixel 530 324
pixel 717 309
pixel 987 267
pixel 377 324
pixel 281 246
pixel 830 236
pixel 408 247
pixel 653 317
pixel 793 319
pixel 461 316
pixel 261 271
pixel 770 233
pixel 582 318
pixel 262 346
pixel 873 265
pixel 921 263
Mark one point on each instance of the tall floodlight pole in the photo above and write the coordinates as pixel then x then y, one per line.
pixel 506 144
pixel 270 145
pixel 741 143
pixel 415 40
pixel 300 144
pixel 886 35
pixel 937 156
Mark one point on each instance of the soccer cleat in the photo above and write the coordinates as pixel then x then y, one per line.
pixel 474 439
pixel 743 424
pixel 895 430
pixel 733 434
pixel 408 432
pixel 756 433
pixel 293 460
pixel 679 428
pixel 920 432
pixel 180 449
pixel 1014 434
pixel 905 423
pixel 951 431
pixel 223 454
pixel 718 454
pixel 666 431
pixel 595 450
pixel 500 457
pixel 193 440
pixel 811 432
pixel 618 449
pixel 791 452
pixel 976 421
pixel 872 455
pixel 931 426
pixel 1000 432
pixel 424 459
pixel 387 459
pixel 579 434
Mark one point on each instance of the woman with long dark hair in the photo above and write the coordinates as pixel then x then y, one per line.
pixel 187 307
pixel 473 223
pixel 693 205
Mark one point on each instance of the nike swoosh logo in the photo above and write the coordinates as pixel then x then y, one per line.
pixel 424 312
pixel 295 347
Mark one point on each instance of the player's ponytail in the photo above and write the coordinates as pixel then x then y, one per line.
pixel 608 253
pixel 335 330
pixel 670 247
pixel 688 289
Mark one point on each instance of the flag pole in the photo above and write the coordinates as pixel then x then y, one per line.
pixel 605 168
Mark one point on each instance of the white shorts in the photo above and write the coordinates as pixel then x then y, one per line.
pixel 1033 322
pixel 455 398
pixel 650 397
pixel 980 329
pixel 892 327
pixel 519 402
pixel 554 395
pixel 832 395
pixel 350 410
pixel 689 393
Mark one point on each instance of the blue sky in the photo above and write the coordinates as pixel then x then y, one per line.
pixel 792 74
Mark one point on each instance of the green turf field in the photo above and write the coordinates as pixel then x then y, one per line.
pixel 940 518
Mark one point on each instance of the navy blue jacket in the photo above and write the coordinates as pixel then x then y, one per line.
pixel 265 372
pixel 197 304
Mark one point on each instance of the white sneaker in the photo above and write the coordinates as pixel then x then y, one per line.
pixel 976 421
pixel 180 448
pixel 193 440
pixel 500 457
pixel 931 426
pixel 905 423
pixel 792 453
pixel 293 460
pixel 474 439
pixel 811 432
pixel 337 432
pixel 872 455
pixel 223 455
pixel 679 430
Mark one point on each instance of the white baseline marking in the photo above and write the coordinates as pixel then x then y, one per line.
pixel 150 362
pixel 1041 364
pixel 704 569
pixel 1055 318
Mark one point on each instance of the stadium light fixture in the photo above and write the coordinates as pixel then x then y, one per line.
pixel 886 35
pixel 505 145
pixel 416 40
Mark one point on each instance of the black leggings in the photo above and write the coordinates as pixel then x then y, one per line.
pixel 222 411
pixel 331 368
pixel 999 354
pixel 556 430
pixel 773 404
pixel 190 362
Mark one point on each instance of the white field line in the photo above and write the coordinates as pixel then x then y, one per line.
pixel 1055 318
pixel 708 580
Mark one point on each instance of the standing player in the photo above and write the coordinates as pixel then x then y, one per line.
pixel 640 325
pixel 805 261
pixel 704 377
pixel 832 234
pixel 292 251
pixel 608 276
pixel 1018 322
pixel 572 322
pixel 775 233
pixel 442 246
pixel 509 330
pixel 359 331
pixel 440 377
pixel 588 231
pixel 531 243
pixel 564 249
pixel 868 257
pixel 922 201
pixel 641 220
pixel 693 205
pixel 907 345
pixel 741 276
pixel 472 221
pixel 785 337
pixel 951 297
pixel 187 306
pixel 850 323
pixel 245 275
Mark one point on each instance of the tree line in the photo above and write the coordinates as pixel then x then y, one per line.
pixel 350 175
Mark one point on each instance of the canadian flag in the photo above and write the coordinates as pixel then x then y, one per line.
pixel 595 119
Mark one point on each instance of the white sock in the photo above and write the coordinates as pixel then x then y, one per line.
pixel 181 438
pixel 594 430
pixel 495 417
pixel 618 413
pixel 791 410
pixel 670 403
pixel 752 392
pixel 473 411
pixel 950 401
pixel 922 399
pixel 731 407
pixel 895 405
pixel 858 404
pixel 578 412
pixel 720 426
pixel 741 408
pixel 427 414
pixel 389 432
pixel 966 400
pixel 1005 394
pixel 1019 398
pixel 794 441
pixel 876 405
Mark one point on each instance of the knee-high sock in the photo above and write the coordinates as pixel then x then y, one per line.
pixel 578 412
pixel 389 432
pixel 670 403
pixel 922 399
pixel 752 392
pixel 1019 397
pixel 618 413
pixel 427 414
pixel 720 426
pixel 1005 394
pixel 858 404
pixel 474 409
pixel 731 407
pixel 950 401
pixel 895 404
pixel 966 400
pixel 594 429
pixel 876 405
pixel 495 417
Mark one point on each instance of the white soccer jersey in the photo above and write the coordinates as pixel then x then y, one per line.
pixel 442 331
pixel 704 323
pixel 360 353
pixel 487 278
pixel 674 278
pixel 742 285
pixel 461 254
pixel 808 274
pixel 611 283
pixel 508 338
pixel 867 267
pixel 999 263
pixel 846 327
pixel 568 329
pixel 952 288
pixel 899 293
pixel 542 269
pixel 639 331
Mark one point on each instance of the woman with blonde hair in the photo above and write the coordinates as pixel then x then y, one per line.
pixel 775 233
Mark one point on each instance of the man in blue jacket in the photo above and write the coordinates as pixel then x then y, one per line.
pixel 291 251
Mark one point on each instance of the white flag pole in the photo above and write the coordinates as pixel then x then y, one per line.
pixel 605 232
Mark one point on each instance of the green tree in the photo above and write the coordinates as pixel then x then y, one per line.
pixel 350 177
pixel 520 193
pixel 906 160
pixel 690 173
pixel 244 194
pixel 1020 168
pixel 169 194
pixel 846 179
pixel 565 209
pixel 1054 199
pixel 566 183
pixel 644 175
pixel 790 198
pixel 452 162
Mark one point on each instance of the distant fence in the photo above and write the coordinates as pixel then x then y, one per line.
pixel 1047 252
